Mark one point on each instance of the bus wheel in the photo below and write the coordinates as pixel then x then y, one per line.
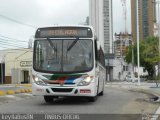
pixel 101 93
pixel 92 99
pixel 48 99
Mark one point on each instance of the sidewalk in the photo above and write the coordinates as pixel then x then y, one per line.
pixel 145 87
pixel 10 89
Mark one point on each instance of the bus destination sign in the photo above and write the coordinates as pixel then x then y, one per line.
pixel 63 32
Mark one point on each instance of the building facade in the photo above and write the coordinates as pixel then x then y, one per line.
pixel 100 17
pixel 121 44
pixel 18 66
pixel 147 18
pixel 108 37
pixel 96 19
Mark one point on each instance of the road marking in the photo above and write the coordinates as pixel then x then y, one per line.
pixel 156 115
pixel 29 94
pixel 10 96
pixel 158 111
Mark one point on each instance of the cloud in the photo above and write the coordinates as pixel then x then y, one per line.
pixel 39 13
pixel 48 13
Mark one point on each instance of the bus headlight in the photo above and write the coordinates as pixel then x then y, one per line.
pixel 86 81
pixel 38 81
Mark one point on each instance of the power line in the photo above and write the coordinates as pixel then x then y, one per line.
pixel 6 42
pixel 12 40
pixel 9 43
pixel 18 48
pixel 16 21
pixel 12 45
pixel 3 47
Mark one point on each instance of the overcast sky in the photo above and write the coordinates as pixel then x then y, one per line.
pixel 38 13
pixel 118 16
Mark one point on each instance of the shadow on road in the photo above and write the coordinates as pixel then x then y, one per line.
pixel 70 101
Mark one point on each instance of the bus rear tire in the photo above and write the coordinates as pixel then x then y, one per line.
pixel 48 99
pixel 101 93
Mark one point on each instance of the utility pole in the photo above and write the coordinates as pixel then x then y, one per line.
pixel 158 2
pixel 132 57
pixel 138 57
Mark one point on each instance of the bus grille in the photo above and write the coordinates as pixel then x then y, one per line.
pixel 64 83
pixel 62 89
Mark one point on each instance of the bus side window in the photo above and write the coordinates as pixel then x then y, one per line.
pixel 96 50
pixel 101 57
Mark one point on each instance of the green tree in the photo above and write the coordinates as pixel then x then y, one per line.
pixel 149 54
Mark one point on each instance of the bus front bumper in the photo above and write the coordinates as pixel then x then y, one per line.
pixel 89 90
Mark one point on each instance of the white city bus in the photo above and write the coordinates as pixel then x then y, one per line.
pixel 67 61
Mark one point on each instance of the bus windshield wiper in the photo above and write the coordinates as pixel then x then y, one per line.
pixel 72 44
pixel 52 45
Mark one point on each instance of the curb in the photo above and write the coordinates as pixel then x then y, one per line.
pixel 24 85
pixel 15 85
pixel 149 92
pixel 2 93
pixel 137 89
pixel 12 92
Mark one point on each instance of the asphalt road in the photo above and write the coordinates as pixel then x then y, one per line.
pixel 114 101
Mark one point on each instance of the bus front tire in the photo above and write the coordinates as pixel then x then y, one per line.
pixel 92 99
pixel 48 99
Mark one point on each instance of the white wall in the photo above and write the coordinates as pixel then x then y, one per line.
pixel 13 67
pixel 118 68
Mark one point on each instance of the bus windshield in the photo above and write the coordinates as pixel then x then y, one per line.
pixel 75 55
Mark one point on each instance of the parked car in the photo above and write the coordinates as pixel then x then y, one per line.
pixel 130 78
